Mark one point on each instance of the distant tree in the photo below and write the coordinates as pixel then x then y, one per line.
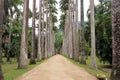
pixel 70 39
pixel 46 30
pixel 115 75
pixel 32 57
pixel 82 37
pixel 63 7
pixel 76 43
pixel 24 39
pixel 39 54
pixel 1 26
pixel 64 22
pixel 42 29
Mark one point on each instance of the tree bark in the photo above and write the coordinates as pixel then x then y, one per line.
pixel 46 33
pixel 115 75
pixel 39 55
pixel 32 57
pixel 24 38
pixel 82 47
pixel 43 37
pixel 1 27
pixel 70 31
pixel 93 50
pixel 76 44
pixel 51 33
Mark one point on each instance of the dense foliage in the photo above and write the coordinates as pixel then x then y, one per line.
pixel 103 30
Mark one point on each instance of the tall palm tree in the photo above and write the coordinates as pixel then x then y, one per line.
pixel 82 37
pixel 70 30
pixel 39 55
pixel 115 75
pixel 64 5
pixel 42 35
pixel 24 39
pixel 48 28
pixel 46 33
pixel 73 27
pixel 93 50
pixel 32 57
pixel 65 37
pixel 76 54
pixel 50 32
pixel 1 26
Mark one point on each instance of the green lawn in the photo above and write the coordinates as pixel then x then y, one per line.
pixel 11 72
pixel 88 69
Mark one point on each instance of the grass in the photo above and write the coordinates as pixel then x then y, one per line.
pixel 88 69
pixel 11 72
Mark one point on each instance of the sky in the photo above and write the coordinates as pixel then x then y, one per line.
pixel 86 6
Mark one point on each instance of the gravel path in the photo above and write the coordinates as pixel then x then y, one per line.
pixel 57 68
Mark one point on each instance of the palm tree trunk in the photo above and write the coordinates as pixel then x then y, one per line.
pixel 43 38
pixel 46 33
pixel 115 75
pixel 64 45
pixel 67 35
pixel 39 55
pixel 82 47
pixel 70 31
pixel 93 49
pixel 1 26
pixel 24 39
pixel 76 45
pixel 32 57
pixel 51 33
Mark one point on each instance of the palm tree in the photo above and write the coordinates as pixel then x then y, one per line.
pixel 23 48
pixel 1 26
pixel 48 28
pixel 70 30
pixel 76 54
pixel 46 33
pixel 115 75
pixel 50 32
pixel 65 37
pixel 93 50
pixel 32 57
pixel 64 22
pixel 82 38
pixel 64 5
pixel 42 35
pixel 39 55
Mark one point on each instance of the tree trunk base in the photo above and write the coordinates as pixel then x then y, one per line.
pixel 115 75
pixel 32 62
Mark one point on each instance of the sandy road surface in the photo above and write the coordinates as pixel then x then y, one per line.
pixel 57 68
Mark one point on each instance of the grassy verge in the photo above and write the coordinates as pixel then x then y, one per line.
pixel 11 72
pixel 88 69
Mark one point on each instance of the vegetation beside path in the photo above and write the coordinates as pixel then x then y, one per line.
pixel 11 72
pixel 91 71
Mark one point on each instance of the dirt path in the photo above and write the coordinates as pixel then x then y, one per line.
pixel 57 68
